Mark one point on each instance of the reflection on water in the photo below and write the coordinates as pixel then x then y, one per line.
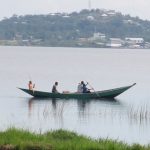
pixel 85 108
pixel 82 112
pixel 57 106
pixel 59 109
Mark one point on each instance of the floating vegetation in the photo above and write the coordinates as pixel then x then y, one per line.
pixel 133 114
pixel 139 114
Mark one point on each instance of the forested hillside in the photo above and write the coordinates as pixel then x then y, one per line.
pixel 61 29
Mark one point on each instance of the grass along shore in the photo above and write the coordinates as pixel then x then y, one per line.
pixel 14 139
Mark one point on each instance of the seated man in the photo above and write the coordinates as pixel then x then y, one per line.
pixel 54 88
pixel 79 88
pixel 85 89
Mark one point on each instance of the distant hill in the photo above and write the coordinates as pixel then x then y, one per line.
pixel 61 29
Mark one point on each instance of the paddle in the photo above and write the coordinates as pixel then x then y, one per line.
pixel 93 89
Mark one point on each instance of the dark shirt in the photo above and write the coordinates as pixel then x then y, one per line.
pixel 54 89
pixel 85 89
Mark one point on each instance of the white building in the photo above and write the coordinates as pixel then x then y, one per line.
pixel 134 40
pixel 91 18
pixel 115 42
pixel 111 12
pixel 98 36
pixel 104 15
pixel 147 45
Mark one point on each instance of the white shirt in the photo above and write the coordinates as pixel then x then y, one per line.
pixel 79 89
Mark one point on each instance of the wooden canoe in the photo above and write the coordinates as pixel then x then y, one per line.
pixel 111 93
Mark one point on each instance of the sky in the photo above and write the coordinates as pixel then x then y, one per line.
pixel 140 8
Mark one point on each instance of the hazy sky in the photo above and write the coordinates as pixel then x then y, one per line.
pixel 139 8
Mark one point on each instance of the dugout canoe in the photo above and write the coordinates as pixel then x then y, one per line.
pixel 111 93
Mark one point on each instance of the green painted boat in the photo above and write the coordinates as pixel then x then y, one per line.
pixel 111 93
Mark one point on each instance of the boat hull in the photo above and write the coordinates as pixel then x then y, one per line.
pixel 112 93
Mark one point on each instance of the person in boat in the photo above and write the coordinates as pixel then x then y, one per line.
pixel 54 88
pixel 84 87
pixel 31 85
pixel 80 88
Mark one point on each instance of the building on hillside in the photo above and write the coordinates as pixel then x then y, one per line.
pixel 104 15
pixel 115 43
pixel 90 18
pixel 111 12
pixel 134 42
pixel 97 36
pixel 147 45
pixel 128 21
pixel 66 16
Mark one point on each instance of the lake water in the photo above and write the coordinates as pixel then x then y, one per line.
pixel 126 119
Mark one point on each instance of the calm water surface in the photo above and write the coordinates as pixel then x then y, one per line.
pixel 126 119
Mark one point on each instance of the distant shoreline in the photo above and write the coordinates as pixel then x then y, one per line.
pixel 96 28
pixel 122 48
